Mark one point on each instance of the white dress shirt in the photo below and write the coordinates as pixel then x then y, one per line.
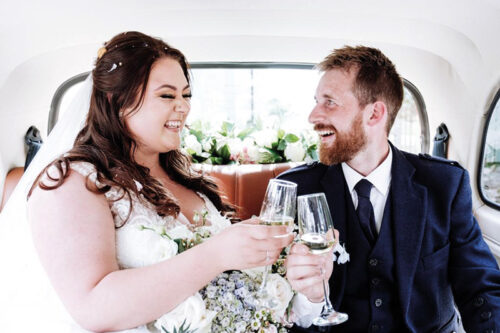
pixel 381 181
pixel 380 178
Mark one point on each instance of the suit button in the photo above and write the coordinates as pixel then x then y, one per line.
pixel 478 301
pixel 375 327
pixel 373 262
pixel 378 302
pixel 375 281
pixel 486 315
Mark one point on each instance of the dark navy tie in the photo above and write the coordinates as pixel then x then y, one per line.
pixel 365 210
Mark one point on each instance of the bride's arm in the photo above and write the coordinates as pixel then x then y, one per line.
pixel 74 235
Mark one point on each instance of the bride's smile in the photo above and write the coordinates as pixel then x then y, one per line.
pixel 157 123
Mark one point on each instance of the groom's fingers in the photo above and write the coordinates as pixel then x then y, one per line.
pixel 302 272
pixel 304 284
pixel 305 260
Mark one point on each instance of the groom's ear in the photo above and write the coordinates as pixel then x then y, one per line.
pixel 378 114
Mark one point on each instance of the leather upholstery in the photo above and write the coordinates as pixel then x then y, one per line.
pixel 11 181
pixel 245 185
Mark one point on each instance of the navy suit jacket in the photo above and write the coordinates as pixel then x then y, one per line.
pixel 440 255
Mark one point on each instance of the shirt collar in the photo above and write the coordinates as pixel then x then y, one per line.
pixel 380 177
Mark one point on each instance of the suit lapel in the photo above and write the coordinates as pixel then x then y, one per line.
pixel 409 206
pixel 333 184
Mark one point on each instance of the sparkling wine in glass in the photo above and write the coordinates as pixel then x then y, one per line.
pixel 316 232
pixel 278 208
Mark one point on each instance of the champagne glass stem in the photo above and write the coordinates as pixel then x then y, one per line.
pixel 328 305
pixel 262 288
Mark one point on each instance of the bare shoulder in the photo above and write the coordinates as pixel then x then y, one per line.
pixel 71 202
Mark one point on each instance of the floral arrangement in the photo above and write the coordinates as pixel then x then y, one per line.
pixel 228 302
pixel 231 145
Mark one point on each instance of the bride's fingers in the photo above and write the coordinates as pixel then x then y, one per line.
pixel 263 258
pixel 273 243
pixel 264 231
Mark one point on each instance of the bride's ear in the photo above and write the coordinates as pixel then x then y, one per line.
pixel 109 96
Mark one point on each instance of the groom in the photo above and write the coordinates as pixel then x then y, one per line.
pixel 406 220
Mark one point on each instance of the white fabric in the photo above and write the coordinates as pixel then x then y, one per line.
pixel 305 310
pixel 27 301
pixel 381 181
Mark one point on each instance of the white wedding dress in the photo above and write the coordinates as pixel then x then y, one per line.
pixel 28 302
pixel 137 245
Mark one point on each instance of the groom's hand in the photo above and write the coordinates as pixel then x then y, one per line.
pixel 304 271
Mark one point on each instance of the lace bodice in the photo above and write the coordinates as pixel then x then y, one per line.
pixel 138 239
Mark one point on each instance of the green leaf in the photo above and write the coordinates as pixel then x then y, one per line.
pixel 269 156
pixel 182 328
pixel 224 152
pixel 227 128
pixel 281 133
pixel 198 134
pixel 312 151
pixel 216 160
pixel 196 125
pixel 180 245
pixel 291 138
pixel 282 145
pixel 246 132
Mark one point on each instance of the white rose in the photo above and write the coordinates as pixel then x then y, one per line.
pixel 252 150
pixel 207 145
pixel 235 146
pixel 180 231
pixel 266 137
pixel 220 141
pixel 295 151
pixel 280 291
pixel 138 247
pixel 191 142
pixel 193 311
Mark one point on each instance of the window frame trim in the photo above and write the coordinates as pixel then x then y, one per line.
pixel 485 128
pixel 55 104
pixel 423 118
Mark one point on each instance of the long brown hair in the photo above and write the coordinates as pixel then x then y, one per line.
pixel 120 77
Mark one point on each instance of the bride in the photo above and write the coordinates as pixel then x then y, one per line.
pixel 99 213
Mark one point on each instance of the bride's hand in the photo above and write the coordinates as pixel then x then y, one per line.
pixel 247 244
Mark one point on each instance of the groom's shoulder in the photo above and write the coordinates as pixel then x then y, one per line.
pixel 303 171
pixel 433 164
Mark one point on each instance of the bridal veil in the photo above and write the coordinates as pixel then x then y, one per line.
pixel 27 300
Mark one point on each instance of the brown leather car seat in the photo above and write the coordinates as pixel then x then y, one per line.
pixel 245 185
pixel 11 181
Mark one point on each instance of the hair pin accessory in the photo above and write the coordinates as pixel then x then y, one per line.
pixel 113 67
pixel 101 52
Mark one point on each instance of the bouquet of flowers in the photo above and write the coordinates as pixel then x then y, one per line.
pixel 228 302
pixel 231 145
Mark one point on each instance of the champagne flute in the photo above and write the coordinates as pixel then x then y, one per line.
pixel 316 232
pixel 278 208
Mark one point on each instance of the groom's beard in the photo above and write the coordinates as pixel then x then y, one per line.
pixel 346 144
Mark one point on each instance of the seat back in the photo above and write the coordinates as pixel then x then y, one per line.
pixel 11 181
pixel 245 185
